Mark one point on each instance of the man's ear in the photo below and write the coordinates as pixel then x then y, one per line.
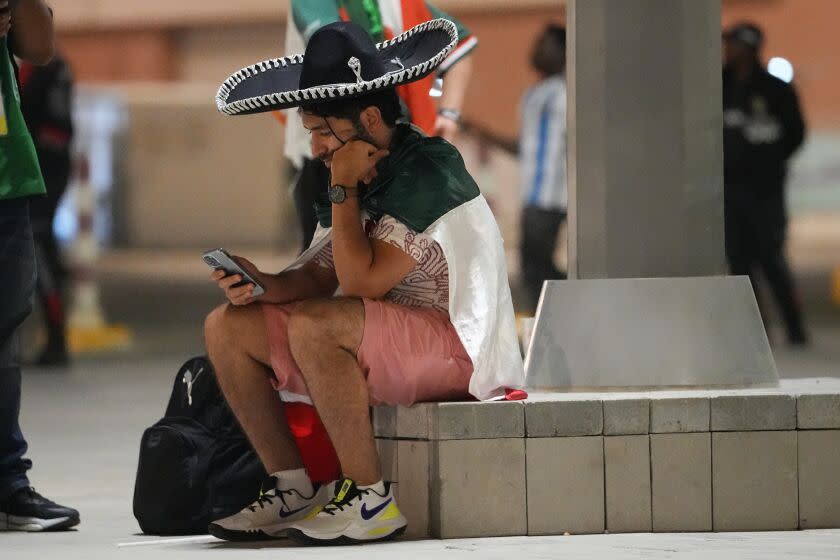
pixel 371 117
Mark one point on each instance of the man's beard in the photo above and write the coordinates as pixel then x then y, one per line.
pixel 364 135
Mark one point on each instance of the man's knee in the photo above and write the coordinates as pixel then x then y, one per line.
pixel 215 325
pixel 224 325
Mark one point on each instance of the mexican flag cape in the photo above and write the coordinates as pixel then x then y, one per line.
pixel 424 184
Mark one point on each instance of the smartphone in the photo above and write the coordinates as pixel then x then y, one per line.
pixel 220 259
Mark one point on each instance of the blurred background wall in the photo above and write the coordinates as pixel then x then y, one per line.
pixel 187 176
pixel 184 176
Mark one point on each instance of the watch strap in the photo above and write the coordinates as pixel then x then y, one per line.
pixel 349 191
pixel 451 114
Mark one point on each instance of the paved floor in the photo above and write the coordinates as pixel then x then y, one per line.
pixel 84 425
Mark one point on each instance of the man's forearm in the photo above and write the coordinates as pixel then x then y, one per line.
pixel 455 84
pixel 352 252
pixel 32 31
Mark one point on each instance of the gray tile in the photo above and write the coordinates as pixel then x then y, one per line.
pixel 564 418
pixel 451 420
pixel 753 412
pixel 626 417
pixel 401 422
pixel 385 421
pixel 754 481
pixel 565 485
pixel 681 473
pixel 413 421
pixel 627 483
pixel 387 449
pixel 477 420
pixel 413 488
pixel 671 416
pixel 819 479
pixel 478 488
pixel 818 412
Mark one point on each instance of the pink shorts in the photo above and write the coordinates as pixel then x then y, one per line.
pixel 408 355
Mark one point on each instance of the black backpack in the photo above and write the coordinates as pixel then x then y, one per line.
pixel 196 465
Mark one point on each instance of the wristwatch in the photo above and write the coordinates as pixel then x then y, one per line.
pixel 452 114
pixel 340 193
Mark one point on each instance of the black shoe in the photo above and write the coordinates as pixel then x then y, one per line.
pixel 27 510
pixel 799 338
pixel 53 358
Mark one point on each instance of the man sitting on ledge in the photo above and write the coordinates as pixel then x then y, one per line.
pixel 406 239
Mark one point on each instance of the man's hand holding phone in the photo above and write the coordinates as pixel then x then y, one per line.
pixel 238 277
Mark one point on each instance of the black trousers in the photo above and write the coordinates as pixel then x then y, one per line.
pixel 55 167
pixel 17 270
pixel 539 229
pixel 313 180
pixel 756 228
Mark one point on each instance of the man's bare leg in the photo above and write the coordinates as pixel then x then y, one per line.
pixel 237 344
pixel 324 336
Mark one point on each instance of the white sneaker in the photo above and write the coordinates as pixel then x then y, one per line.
pixel 353 516
pixel 273 512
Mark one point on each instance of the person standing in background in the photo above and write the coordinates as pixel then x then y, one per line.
pixel 762 128
pixel 542 163
pixel 26 31
pixel 382 19
pixel 46 97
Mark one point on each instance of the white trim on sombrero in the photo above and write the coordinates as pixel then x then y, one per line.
pixel 331 90
pixel 460 52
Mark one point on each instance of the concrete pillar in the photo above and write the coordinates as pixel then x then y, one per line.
pixel 647 303
pixel 645 155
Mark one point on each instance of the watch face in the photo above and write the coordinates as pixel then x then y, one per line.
pixel 337 194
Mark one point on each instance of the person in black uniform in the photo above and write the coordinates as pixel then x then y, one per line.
pixel 46 95
pixel 763 127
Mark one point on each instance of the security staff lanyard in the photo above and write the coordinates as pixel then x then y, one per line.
pixel 4 126
pixel 6 70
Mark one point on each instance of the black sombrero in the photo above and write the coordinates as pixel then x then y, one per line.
pixel 340 61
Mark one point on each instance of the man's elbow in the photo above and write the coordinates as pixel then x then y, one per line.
pixel 42 55
pixel 361 290
pixel 38 52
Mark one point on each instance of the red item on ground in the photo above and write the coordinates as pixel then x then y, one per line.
pixel 314 444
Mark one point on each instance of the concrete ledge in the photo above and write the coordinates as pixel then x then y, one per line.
pixel 674 416
pixel 586 463
pixel 564 418
pixel 753 412
pixel 818 412
pixel 626 417
pixel 451 420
